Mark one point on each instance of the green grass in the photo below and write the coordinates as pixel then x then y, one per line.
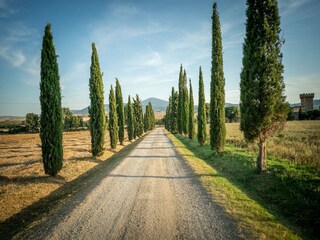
pixel 298 142
pixel 280 204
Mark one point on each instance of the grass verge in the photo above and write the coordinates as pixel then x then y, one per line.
pixel 15 226
pixel 281 204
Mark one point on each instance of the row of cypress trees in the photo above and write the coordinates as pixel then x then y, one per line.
pixel 51 125
pixel 263 104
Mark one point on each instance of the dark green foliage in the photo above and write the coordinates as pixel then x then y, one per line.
pixel 32 122
pixel 138 116
pixel 149 118
pixel 232 113
pixel 262 101
pixel 113 120
pixel 174 111
pixel 191 131
pixel 130 126
pixel 51 125
pixel 185 105
pixel 96 110
pixel 146 119
pixel 70 121
pixel 180 101
pixel 120 111
pixel 202 132
pixel 208 112
pixel 217 95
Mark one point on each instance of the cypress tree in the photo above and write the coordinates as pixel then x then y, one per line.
pixel 130 126
pixel 169 115
pixel 96 110
pixel 174 111
pixel 138 116
pixel 120 111
pixel 113 120
pixel 180 102
pixel 191 130
pixel 217 94
pixel 185 104
pixel 262 101
pixel 51 120
pixel 146 119
pixel 202 133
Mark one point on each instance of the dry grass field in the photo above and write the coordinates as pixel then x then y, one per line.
pixel 299 142
pixel 22 178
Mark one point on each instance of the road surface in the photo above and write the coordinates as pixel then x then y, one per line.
pixel 150 194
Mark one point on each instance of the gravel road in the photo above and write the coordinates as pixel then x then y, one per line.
pixel 150 194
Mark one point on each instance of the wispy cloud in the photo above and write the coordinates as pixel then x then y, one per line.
pixel 15 57
pixel 5 9
pixel 124 10
pixel 291 6
pixel 15 37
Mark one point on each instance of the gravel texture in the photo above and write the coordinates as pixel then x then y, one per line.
pixel 151 194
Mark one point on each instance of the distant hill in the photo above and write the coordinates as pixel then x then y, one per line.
pixel 158 105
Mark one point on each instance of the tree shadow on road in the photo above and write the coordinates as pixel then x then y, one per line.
pixel 40 211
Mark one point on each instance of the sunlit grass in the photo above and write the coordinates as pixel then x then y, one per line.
pixel 281 204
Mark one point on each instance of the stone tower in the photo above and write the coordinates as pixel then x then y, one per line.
pixel 306 101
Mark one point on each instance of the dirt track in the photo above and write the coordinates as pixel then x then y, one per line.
pixel 150 194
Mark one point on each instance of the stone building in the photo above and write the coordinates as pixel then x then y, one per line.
pixel 306 102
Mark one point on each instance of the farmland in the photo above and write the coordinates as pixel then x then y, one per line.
pixel 299 142
pixel 22 178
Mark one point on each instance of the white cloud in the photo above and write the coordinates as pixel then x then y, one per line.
pixel 14 37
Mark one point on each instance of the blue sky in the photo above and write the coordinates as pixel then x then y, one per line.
pixel 142 43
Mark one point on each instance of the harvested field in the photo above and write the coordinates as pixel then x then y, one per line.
pixel 22 178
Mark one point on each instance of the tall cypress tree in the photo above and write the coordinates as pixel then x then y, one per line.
pixel 180 102
pixel 120 111
pixel 96 110
pixel 147 119
pixel 130 126
pixel 113 120
pixel 138 116
pixel 51 121
pixel 202 133
pixel 174 111
pixel 185 104
pixel 191 130
pixel 262 101
pixel 217 95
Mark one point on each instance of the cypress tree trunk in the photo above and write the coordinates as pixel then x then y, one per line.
pixel 262 157
pixel 262 101
pixel 202 132
pixel 130 126
pixel 96 110
pixel 217 98
pixel 120 111
pixel 113 120
pixel 191 131
pixel 51 120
